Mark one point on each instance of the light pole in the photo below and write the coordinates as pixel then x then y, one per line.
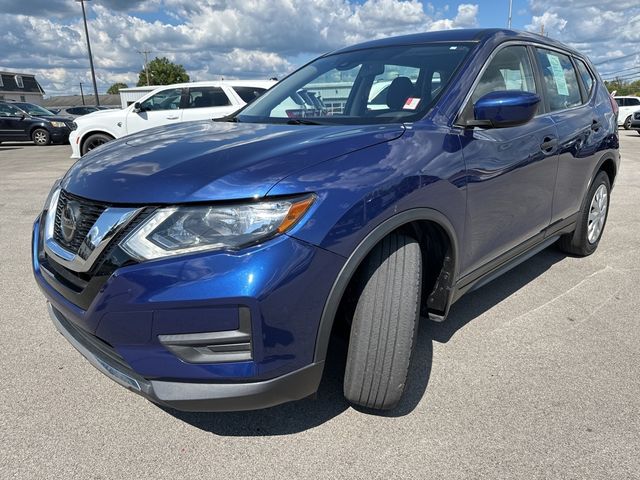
pixel 82 93
pixel 510 8
pixel 93 72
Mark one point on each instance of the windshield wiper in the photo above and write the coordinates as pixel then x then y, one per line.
pixel 302 121
pixel 227 118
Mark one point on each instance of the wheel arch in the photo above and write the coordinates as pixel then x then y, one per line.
pixel 86 135
pixel 38 126
pixel 400 220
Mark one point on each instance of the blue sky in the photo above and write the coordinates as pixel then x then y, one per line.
pixel 265 38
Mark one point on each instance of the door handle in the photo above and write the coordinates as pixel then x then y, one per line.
pixel 595 125
pixel 548 144
pixel 173 118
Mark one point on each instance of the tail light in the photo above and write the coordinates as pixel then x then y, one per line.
pixel 614 105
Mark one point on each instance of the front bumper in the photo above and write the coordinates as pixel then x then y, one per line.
pixel 74 141
pixel 185 396
pixel 59 135
pixel 282 284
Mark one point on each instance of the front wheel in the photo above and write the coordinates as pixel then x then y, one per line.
pixel 585 238
pixel 385 323
pixel 94 141
pixel 627 123
pixel 41 137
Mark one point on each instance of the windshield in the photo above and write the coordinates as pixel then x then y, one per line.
pixel 375 85
pixel 35 110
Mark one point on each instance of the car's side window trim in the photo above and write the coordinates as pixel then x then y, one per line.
pixel 459 118
pixel 584 95
pixel 588 94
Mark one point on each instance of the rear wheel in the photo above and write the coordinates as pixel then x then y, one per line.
pixel 384 324
pixel 94 141
pixel 40 137
pixel 585 238
pixel 627 123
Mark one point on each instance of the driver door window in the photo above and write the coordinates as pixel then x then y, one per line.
pixel 164 100
pixel 510 69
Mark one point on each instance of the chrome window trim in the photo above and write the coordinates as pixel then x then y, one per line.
pixel 108 224
pixel 524 43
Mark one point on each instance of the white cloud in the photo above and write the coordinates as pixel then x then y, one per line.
pixel 602 30
pixel 211 38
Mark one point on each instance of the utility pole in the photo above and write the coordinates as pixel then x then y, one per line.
pixel 146 63
pixel 93 72
pixel 510 9
pixel 82 94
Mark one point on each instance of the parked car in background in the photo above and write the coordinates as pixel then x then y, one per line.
pixel 165 105
pixel 205 265
pixel 17 124
pixel 78 111
pixel 635 122
pixel 627 106
pixel 35 110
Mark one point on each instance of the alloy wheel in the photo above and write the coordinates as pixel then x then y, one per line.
pixel 40 137
pixel 597 214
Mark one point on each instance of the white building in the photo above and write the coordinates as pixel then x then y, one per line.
pixel 20 87
pixel 133 94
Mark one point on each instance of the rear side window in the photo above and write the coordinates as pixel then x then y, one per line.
pixel 585 75
pixel 201 97
pixel 248 94
pixel 560 80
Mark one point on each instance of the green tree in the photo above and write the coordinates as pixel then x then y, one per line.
pixel 115 88
pixel 163 72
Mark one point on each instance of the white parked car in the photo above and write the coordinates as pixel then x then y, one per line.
pixel 181 102
pixel 627 105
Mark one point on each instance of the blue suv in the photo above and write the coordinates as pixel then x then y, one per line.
pixel 204 265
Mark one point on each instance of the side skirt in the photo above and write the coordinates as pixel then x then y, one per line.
pixel 514 257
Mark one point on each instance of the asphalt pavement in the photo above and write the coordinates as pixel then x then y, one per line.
pixel 535 375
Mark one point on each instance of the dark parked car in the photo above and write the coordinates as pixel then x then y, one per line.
pixel 74 112
pixel 19 124
pixel 634 124
pixel 205 265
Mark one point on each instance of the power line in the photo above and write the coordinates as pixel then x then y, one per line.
pixel 146 63
pixel 615 59
pixel 607 74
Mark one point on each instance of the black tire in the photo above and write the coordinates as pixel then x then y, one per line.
pixel 94 141
pixel 577 242
pixel 627 123
pixel 41 137
pixel 385 323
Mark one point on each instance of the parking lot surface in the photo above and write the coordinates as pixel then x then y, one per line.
pixel 535 375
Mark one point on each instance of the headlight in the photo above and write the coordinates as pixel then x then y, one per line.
pixel 58 124
pixel 179 230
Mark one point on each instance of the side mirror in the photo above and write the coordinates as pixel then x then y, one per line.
pixel 507 108
pixel 137 107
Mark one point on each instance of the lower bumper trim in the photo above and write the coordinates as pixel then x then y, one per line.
pixel 198 397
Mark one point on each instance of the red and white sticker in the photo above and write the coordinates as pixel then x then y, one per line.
pixel 411 103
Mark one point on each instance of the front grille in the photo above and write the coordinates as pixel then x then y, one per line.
pixel 89 213
pixel 636 115
pixel 81 288
pixel 71 125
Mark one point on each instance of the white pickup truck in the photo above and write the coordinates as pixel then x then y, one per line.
pixel 165 105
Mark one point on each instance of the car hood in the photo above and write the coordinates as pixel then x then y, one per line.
pixel 210 161
pixel 52 118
